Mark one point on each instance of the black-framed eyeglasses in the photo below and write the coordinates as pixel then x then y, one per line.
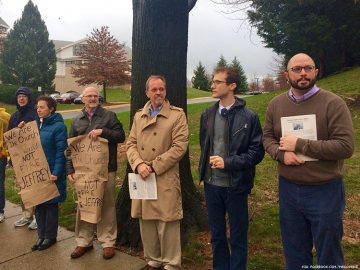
pixel 298 69
pixel 217 82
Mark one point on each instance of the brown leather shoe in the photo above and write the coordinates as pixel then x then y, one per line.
pixel 79 251
pixel 108 252
pixel 149 267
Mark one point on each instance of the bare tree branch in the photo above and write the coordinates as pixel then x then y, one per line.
pixel 235 8
pixel 235 5
pixel 191 4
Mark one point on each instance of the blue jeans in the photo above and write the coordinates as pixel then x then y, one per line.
pixel 219 201
pixel 311 215
pixel 2 183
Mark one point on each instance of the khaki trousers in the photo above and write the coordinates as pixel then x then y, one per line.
pixel 161 241
pixel 28 213
pixel 106 229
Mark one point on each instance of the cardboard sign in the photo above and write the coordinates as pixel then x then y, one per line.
pixel 30 165
pixel 90 160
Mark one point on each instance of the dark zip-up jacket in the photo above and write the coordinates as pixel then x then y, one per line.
pixel 112 130
pixel 26 113
pixel 245 148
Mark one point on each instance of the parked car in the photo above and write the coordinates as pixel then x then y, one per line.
pixel 56 97
pixel 68 98
pixel 253 92
pixel 79 101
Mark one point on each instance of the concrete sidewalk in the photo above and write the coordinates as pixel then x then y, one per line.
pixel 16 254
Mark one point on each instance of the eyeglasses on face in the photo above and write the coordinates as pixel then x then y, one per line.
pixel 298 69
pixel 217 82
pixel 91 96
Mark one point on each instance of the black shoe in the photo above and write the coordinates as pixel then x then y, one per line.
pixel 37 244
pixel 47 243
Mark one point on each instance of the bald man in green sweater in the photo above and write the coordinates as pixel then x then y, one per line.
pixel 311 189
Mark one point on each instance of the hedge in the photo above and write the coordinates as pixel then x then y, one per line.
pixel 7 93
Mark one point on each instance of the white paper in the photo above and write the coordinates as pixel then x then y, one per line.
pixel 302 126
pixel 142 189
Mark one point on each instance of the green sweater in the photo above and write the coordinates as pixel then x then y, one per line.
pixel 335 137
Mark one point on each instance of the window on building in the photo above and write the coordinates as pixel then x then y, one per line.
pixel 77 49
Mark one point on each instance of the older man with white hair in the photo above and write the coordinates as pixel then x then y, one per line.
pixel 97 121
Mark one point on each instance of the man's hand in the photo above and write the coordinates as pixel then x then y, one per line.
pixel 71 178
pixel 217 162
pixel 53 178
pixel 21 124
pixel 290 158
pixel 288 143
pixel 94 134
pixel 144 170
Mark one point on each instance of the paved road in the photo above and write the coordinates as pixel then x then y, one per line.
pixel 126 107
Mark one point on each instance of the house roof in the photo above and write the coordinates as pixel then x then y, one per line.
pixel 3 23
pixel 61 45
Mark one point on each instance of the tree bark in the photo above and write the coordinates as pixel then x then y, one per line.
pixel 104 91
pixel 160 37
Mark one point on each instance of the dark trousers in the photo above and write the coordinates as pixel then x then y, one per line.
pixel 311 215
pixel 230 200
pixel 47 219
pixel 2 184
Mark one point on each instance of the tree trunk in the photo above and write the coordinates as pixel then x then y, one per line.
pixel 322 64
pixel 160 35
pixel 104 91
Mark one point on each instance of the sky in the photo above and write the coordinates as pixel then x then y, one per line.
pixel 212 32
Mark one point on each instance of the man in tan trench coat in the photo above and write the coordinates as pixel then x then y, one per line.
pixel 158 140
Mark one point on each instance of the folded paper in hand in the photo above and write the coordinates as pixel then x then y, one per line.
pixel 142 189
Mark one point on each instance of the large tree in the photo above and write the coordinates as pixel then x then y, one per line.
pixel 325 29
pixel 160 35
pixel 235 64
pixel 200 79
pixel 104 61
pixel 28 57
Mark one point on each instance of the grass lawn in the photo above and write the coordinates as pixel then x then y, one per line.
pixel 118 95
pixel 196 93
pixel 265 249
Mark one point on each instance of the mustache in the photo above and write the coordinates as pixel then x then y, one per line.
pixel 306 79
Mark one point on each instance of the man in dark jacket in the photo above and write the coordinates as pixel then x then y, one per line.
pixel 25 113
pixel 96 121
pixel 230 140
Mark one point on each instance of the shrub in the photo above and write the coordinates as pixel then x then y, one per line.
pixel 7 93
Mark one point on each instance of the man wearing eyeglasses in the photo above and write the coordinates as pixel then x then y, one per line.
pixel 311 193
pixel 230 140
pixel 97 121
pixel 157 141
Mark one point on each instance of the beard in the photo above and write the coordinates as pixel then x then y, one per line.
pixel 296 84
